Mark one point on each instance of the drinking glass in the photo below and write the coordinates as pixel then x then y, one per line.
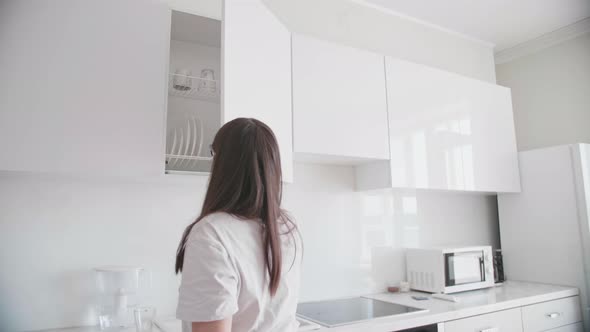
pixel 144 318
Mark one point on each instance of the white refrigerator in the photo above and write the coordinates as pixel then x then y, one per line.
pixel 545 229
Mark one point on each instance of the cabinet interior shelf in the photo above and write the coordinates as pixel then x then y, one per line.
pixel 187 157
pixel 193 87
pixel 194 173
pixel 185 164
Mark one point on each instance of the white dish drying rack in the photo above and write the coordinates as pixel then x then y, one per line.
pixel 184 153
pixel 193 87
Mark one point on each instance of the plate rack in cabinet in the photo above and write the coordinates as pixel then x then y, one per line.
pixel 193 107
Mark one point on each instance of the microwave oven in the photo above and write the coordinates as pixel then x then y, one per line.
pixel 450 270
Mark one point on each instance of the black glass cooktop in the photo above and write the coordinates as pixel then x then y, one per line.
pixel 346 311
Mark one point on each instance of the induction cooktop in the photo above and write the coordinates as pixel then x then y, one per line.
pixel 347 311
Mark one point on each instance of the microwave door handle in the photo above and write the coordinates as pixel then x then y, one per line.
pixel 482 270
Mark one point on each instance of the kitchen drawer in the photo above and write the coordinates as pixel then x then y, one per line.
pixel 549 315
pixel 500 321
pixel 578 327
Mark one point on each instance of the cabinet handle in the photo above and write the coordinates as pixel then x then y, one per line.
pixel 491 329
pixel 553 315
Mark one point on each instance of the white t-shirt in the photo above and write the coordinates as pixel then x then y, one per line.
pixel 224 275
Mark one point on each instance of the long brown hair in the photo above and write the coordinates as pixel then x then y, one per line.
pixel 246 182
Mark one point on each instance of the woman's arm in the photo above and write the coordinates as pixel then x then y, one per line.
pixel 223 325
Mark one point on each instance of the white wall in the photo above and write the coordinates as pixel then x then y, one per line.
pixel 551 94
pixel 53 230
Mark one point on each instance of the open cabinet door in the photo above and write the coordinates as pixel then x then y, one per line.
pixel 256 71
pixel 83 86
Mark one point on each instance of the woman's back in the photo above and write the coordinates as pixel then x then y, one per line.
pixel 225 275
pixel 241 253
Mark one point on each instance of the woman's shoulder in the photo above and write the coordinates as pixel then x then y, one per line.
pixel 215 224
pixel 219 224
pixel 210 222
pixel 220 220
pixel 217 217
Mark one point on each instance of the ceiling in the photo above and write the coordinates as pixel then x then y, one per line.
pixel 505 23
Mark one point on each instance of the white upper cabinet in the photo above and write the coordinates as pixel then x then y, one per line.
pixel 83 86
pixel 256 65
pixel 339 103
pixel 84 91
pixel 447 132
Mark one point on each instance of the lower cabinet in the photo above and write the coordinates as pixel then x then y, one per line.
pixel 562 315
pixel 552 314
pixel 578 327
pixel 500 321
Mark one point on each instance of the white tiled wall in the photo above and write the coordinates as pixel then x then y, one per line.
pixel 53 230
pixel 354 240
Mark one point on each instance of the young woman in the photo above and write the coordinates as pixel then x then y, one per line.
pixel 240 259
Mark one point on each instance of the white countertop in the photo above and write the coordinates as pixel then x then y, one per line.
pixel 511 294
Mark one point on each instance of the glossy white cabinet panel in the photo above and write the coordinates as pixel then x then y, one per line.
pixel 256 66
pixel 449 132
pixel 581 163
pixel 548 315
pixel 339 102
pixel 501 321
pixel 82 90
